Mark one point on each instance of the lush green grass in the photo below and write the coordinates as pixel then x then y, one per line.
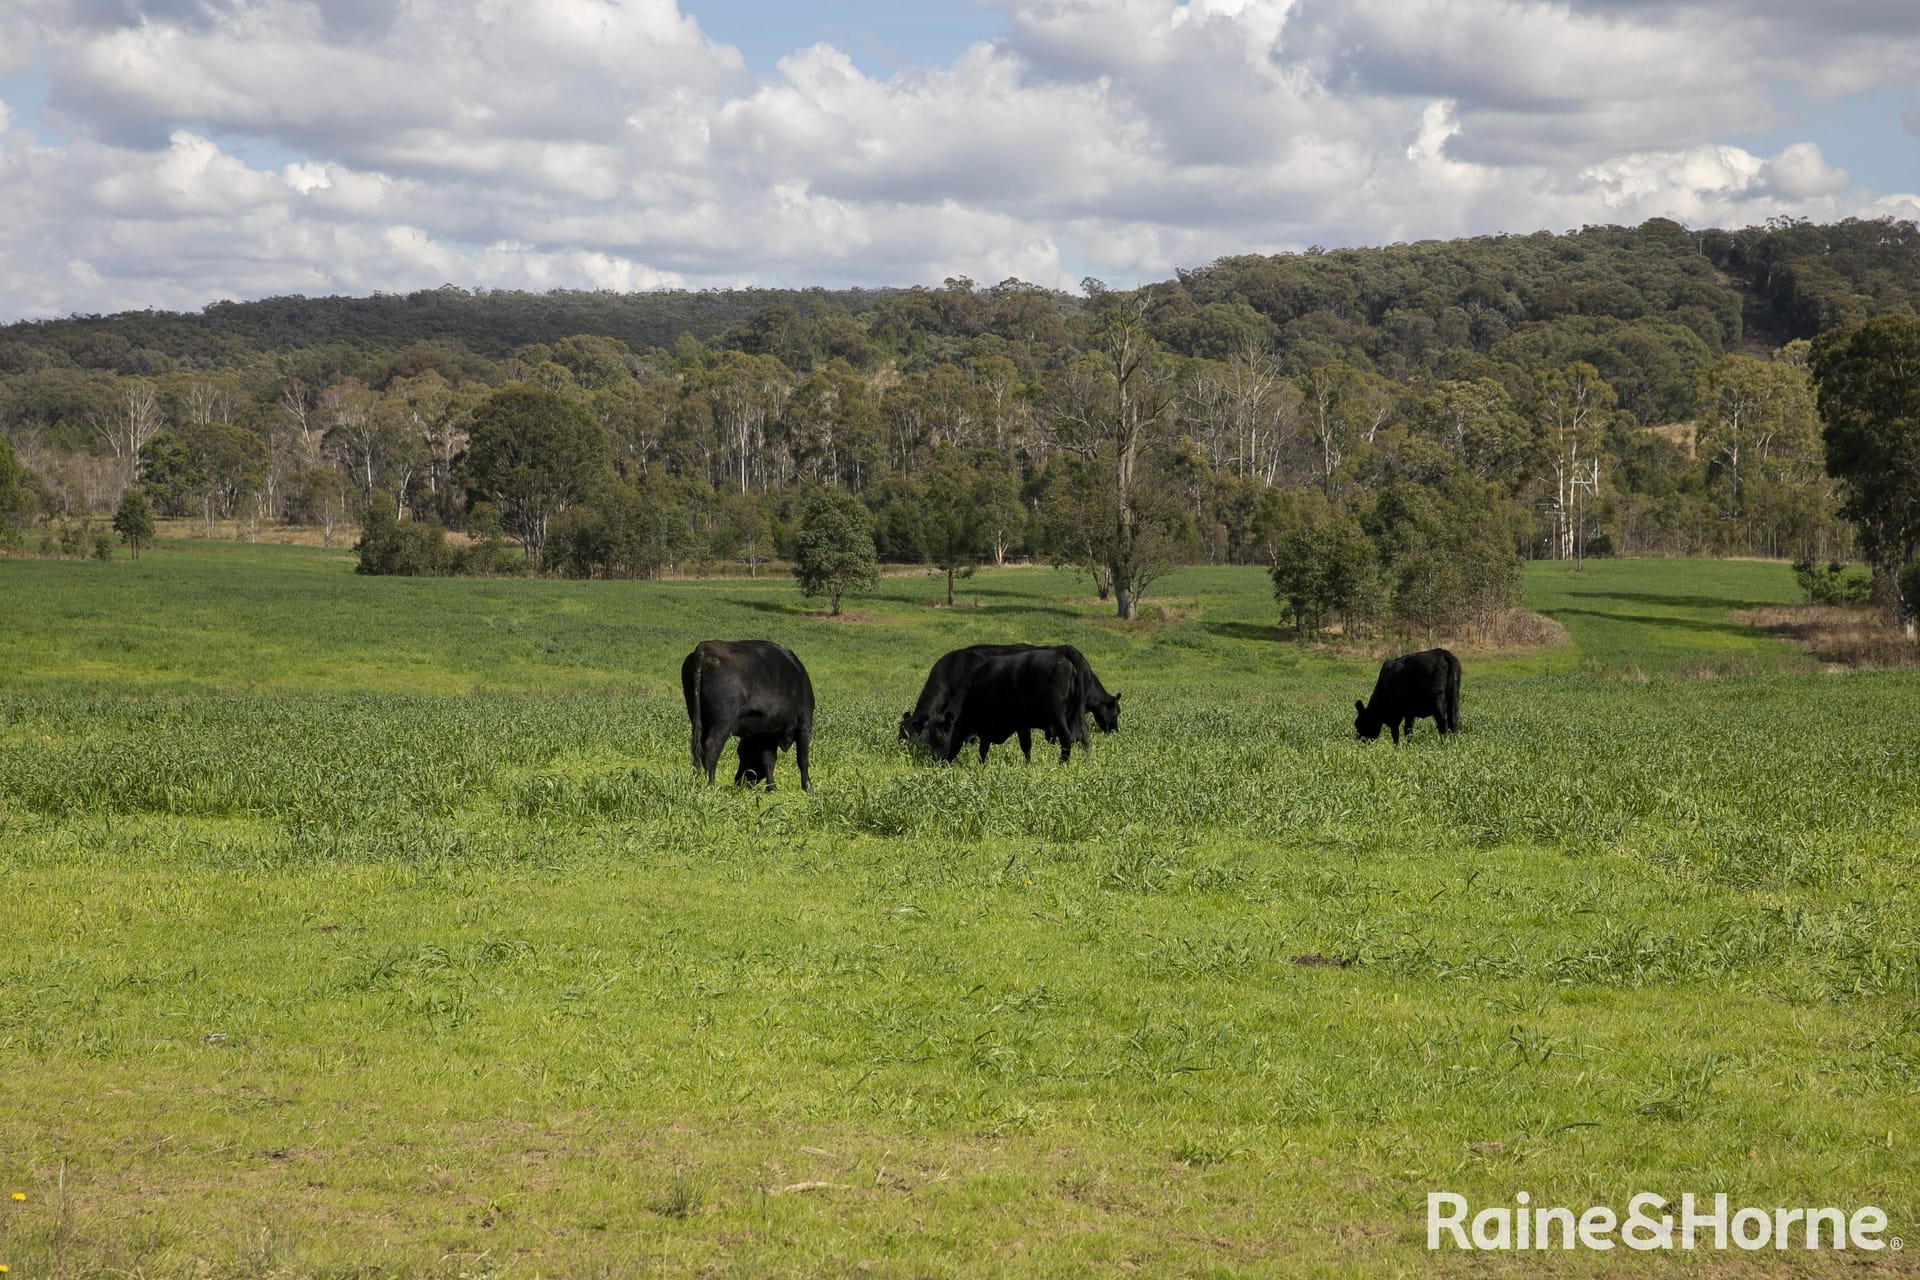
pixel 372 923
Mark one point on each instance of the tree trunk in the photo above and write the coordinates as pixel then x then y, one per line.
pixel 949 588
pixel 1123 601
pixel 1904 612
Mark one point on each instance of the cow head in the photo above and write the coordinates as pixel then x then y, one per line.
pixel 939 732
pixel 1365 724
pixel 910 727
pixel 1106 712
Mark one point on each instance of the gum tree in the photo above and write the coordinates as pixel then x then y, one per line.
pixel 533 453
pixel 1867 381
pixel 834 552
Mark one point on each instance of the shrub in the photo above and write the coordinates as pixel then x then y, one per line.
pixel 402 548
pixel 491 555
pixel 1833 582
pixel 1324 565
pixel 615 533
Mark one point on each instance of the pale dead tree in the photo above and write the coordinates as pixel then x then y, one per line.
pixel 951 401
pixel 318 495
pixel 1111 412
pixel 1339 413
pixel 287 454
pixel 1752 410
pixel 80 483
pixel 30 446
pixel 351 411
pixel 1249 414
pixel 1209 416
pixel 435 422
pixel 638 415
pixel 746 392
pixel 1572 410
pixel 208 403
pixel 299 407
pixel 134 420
pixel 1008 415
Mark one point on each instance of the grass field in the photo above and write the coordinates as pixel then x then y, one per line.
pixel 376 927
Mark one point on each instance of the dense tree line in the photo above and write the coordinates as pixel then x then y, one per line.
pixel 1402 421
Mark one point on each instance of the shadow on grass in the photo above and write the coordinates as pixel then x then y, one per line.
pixel 1672 602
pixel 785 608
pixel 1655 620
pixel 1270 633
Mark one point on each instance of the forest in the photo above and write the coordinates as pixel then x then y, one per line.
pixel 1390 430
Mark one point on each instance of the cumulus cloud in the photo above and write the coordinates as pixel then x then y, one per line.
pixel 615 144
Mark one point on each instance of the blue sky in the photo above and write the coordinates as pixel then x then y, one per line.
pixel 1859 132
pixel 880 37
pixel 171 153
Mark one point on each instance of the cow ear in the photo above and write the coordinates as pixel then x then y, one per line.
pixel 1359 705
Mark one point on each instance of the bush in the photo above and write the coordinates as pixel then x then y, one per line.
pixel 491 555
pixel 615 533
pixel 1324 565
pixel 1448 554
pixel 389 546
pixel 1833 582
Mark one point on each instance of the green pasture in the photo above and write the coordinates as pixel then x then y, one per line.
pixel 378 927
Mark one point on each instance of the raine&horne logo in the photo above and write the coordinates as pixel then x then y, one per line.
pixel 1646 1226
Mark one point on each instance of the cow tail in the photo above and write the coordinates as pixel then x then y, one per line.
pixel 1453 694
pixel 693 706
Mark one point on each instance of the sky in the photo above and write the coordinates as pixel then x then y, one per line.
pixel 174 153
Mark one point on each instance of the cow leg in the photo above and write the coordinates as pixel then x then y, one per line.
pixel 769 753
pixel 709 749
pixel 1393 727
pixel 983 748
pixel 1026 744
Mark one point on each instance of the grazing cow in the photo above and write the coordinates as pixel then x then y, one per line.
pixel 948 680
pixel 753 690
pixel 1015 693
pixel 1418 684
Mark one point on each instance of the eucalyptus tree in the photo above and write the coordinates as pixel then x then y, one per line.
pixel 1111 413
pixel 1868 381
pixel 533 453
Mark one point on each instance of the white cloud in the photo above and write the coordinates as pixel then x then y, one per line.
pixel 613 144
pixel 1800 172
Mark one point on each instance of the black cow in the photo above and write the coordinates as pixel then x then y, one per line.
pixel 1015 693
pixel 753 690
pixel 947 681
pixel 1418 684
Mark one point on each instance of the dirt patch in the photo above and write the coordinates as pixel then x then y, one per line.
pixel 1323 962
pixel 1846 639
pixel 1515 631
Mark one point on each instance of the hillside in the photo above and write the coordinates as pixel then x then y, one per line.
pixel 1397 308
